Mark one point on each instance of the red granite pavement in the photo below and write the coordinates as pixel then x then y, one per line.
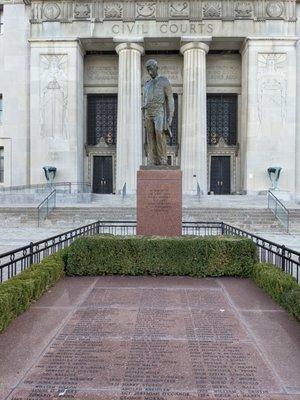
pixel 146 338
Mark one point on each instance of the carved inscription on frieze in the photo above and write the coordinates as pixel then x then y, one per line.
pixel 101 70
pixel 223 70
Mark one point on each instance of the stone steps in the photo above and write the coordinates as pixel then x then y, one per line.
pixel 252 219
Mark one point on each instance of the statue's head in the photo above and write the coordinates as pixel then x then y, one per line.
pixel 152 67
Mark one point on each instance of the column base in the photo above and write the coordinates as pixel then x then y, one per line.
pixel 159 202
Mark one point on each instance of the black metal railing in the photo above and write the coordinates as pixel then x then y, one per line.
pixel 13 262
pixel 46 206
pixel 279 210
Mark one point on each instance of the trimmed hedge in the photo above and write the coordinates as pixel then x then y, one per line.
pixel 282 287
pixel 18 293
pixel 144 255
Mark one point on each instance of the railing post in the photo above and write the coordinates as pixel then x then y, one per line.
pixel 31 253
pixel 98 227
pixel 283 258
pixel 222 228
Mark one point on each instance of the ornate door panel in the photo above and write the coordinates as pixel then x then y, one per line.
pixel 102 118
pixel 220 174
pixel 222 118
pixel 102 174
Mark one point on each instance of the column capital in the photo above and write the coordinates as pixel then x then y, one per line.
pixel 195 42
pixel 262 41
pixel 135 44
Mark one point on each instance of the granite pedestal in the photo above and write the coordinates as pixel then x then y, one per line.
pixel 159 201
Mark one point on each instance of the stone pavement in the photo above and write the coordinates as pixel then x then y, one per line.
pixel 146 338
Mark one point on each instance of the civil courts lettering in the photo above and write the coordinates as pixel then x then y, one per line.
pixel 173 28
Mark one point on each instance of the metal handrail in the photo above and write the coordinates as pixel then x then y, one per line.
pixel 15 261
pixel 279 210
pixel 47 205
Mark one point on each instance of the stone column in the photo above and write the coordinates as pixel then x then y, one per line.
pixel 129 132
pixel 193 139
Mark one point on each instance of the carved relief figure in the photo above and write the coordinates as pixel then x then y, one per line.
pixel 54 96
pixel 145 10
pixel 272 86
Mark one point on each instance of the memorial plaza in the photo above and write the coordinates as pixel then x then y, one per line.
pixel 150 200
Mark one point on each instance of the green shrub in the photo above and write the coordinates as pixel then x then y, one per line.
pixel 282 287
pixel 17 294
pixel 291 302
pixel 141 255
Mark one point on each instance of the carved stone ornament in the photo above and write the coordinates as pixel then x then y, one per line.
pixel 82 10
pixel 212 9
pixel 243 9
pixel 146 10
pixel 113 11
pixel 275 9
pixel 179 9
pixel 51 11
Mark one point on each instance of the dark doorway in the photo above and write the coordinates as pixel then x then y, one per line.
pixel 220 174
pixel 102 175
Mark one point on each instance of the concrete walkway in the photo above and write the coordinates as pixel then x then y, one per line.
pixel 144 338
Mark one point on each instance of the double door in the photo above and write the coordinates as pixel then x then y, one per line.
pixel 102 175
pixel 220 174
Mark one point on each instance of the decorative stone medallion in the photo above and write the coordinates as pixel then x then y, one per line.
pixel 275 9
pixel 145 10
pixel 51 11
pixel 212 9
pixel 82 10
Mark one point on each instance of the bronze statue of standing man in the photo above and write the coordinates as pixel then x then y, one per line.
pixel 158 107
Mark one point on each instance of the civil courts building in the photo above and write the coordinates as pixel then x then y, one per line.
pixel 71 78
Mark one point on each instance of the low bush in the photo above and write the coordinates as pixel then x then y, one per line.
pixel 18 293
pixel 282 287
pixel 141 255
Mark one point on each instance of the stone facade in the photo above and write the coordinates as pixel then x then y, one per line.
pixel 56 55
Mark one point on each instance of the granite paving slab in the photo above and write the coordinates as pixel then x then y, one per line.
pixel 151 338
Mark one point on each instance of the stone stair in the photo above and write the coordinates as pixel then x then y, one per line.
pixel 295 221
pixel 18 216
pixel 247 219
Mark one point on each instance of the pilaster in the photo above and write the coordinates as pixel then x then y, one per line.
pixel 56 109
pixel 129 131
pixel 268 111
pixel 193 140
